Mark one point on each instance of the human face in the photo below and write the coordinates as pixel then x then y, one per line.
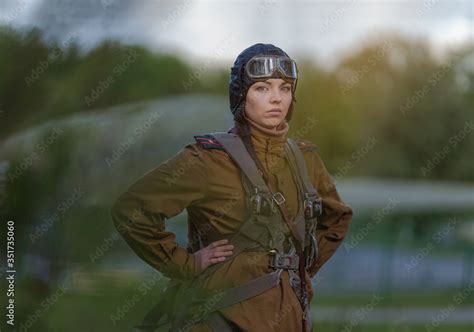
pixel 267 102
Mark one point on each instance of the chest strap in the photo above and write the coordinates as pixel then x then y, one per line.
pixel 236 149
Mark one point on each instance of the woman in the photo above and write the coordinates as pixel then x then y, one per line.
pixel 252 209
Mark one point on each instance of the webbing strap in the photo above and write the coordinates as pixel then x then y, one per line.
pixel 249 289
pixel 160 310
pixel 247 235
pixel 238 152
pixel 234 146
pixel 301 163
pixel 238 294
pixel 241 240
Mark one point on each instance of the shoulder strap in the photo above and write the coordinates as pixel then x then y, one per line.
pixel 234 146
pixel 236 149
pixel 303 170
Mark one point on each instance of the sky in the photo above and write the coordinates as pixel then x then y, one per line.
pixel 201 29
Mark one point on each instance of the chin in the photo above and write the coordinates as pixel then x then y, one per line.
pixel 271 124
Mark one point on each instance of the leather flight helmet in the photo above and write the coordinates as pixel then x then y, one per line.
pixel 240 82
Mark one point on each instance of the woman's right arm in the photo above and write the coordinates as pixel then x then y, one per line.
pixel 139 214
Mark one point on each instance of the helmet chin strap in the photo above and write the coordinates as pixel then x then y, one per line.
pixel 290 110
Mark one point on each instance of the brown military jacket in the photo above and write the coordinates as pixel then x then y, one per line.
pixel 207 183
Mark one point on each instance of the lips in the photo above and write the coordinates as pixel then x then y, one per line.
pixel 275 110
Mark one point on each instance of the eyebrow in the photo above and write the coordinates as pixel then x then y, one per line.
pixel 284 82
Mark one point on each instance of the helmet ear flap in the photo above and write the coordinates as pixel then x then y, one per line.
pixel 290 109
pixel 290 112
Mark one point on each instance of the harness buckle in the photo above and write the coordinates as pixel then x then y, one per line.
pixel 283 261
pixel 279 198
pixel 313 207
pixel 261 203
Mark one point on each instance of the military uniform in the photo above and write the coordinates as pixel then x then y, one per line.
pixel 203 179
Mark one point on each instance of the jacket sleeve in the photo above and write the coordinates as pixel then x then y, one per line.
pixel 139 214
pixel 336 217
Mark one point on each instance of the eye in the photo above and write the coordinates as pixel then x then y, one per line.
pixel 261 88
pixel 286 88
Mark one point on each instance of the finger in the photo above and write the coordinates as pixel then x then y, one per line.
pixel 218 243
pixel 224 248
pixel 222 253
pixel 217 260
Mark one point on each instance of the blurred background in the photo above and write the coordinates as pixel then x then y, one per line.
pixel 93 94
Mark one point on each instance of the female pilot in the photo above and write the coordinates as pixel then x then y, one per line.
pixel 263 212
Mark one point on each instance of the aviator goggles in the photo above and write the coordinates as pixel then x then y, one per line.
pixel 265 66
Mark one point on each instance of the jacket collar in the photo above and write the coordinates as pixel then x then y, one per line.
pixel 265 143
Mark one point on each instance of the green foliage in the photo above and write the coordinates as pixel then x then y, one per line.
pixel 41 81
pixel 417 111
pixel 390 109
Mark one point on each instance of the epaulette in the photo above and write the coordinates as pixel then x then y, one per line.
pixel 306 145
pixel 208 142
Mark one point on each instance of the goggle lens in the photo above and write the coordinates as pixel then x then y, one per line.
pixel 266 66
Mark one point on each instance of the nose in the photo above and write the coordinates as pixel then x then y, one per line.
pixel 275 96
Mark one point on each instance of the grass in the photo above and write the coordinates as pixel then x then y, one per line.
pixel 395 299
pixel 387 327
pixel 117 304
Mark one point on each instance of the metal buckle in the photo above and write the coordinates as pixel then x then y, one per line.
pixel 313 206
pixel 260 202
pixel 279 198
pixel 284 261
pixel 318 206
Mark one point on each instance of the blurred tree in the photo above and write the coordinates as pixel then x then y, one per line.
pixel 388 109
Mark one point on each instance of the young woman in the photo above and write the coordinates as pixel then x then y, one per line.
pixel 263 212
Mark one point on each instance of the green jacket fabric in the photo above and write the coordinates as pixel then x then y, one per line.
pixel 207 183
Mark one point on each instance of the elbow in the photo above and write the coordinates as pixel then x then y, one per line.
pixel 126 213
pixel 347 216
pixel 344 222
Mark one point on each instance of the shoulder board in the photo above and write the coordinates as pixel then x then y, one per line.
pixel 306 145
pixel 208 142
